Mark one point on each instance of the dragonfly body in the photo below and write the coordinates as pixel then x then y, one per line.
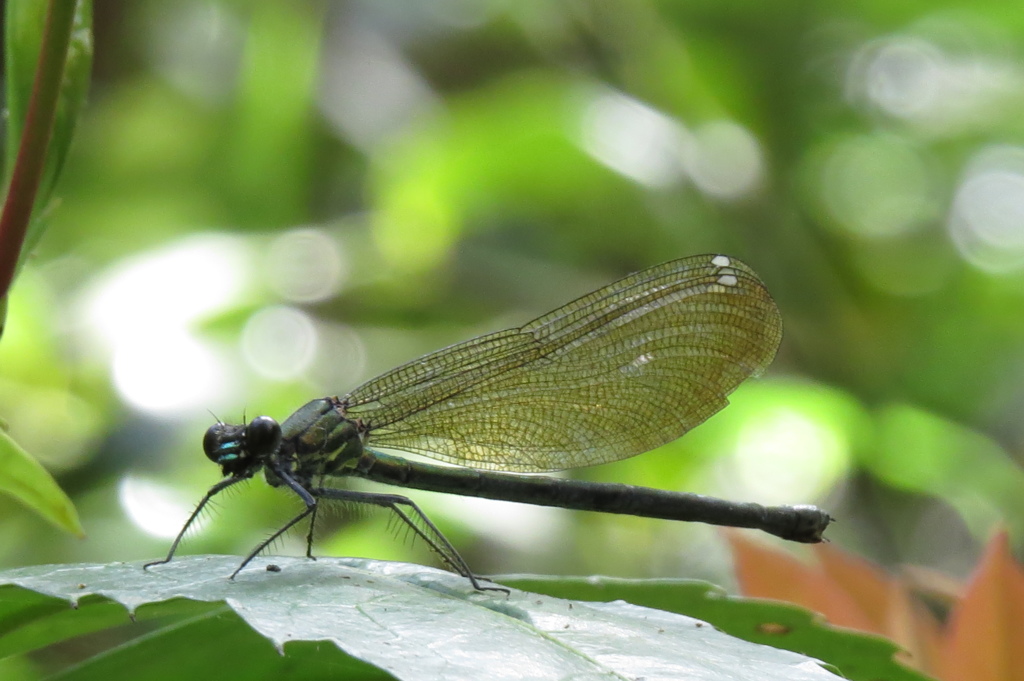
pixel 318 440
pixel 803 524
pixel 615 373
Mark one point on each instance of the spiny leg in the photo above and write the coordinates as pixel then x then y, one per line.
pixel 432 535
pixel 309 536
pixel 219 487
pixel 270 540
pixel 307 499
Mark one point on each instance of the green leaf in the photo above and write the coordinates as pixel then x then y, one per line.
pixel 859 656
pixel 25 479
pixel 342 614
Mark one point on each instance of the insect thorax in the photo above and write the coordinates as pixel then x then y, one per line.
pixel 317 440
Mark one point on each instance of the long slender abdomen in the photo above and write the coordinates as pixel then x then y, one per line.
pixel 795 523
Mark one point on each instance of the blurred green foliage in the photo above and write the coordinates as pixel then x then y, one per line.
pixel 47 58
pixel 269 202
pixel 70 43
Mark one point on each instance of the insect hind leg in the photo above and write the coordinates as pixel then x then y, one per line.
pixel 416 520
pixel 311 506
pixel 309 510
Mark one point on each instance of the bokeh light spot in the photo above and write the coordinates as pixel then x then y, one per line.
pixel 142 313
pixel 633 139
pixel 721 158
pixel 156 509
pixel 168 373
pixel 922 82
pixel 987 218
pixel 305 266
pixel 724 160
pixel 368 91
pixel 279 342
pixel 174 286
pixel 784 454
pixel 340 360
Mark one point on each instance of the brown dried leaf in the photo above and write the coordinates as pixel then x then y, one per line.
pixel 985 632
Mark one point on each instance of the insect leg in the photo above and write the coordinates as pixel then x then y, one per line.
pixel 424 529
pixel 307 499
pixel 219 487
pixel 309 536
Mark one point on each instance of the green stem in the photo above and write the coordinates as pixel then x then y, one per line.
pixel 31 160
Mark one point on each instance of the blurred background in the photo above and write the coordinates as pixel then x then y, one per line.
pixel 270 202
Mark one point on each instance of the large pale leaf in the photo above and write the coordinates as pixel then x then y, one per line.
pixel 412 622
pixel 858 656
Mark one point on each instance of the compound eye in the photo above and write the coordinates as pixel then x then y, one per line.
pixel 218 441
pixel 263 436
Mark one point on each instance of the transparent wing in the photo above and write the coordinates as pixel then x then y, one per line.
pixel 615 373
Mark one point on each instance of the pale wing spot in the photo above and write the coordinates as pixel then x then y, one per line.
pixel 728 280
pixel 636 367
pixel 721 261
